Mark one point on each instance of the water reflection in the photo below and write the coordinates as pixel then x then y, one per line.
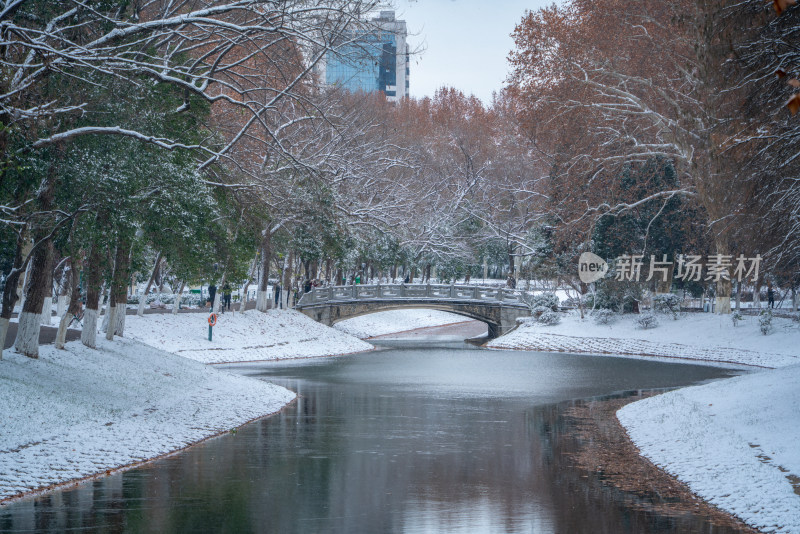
pixel 403 440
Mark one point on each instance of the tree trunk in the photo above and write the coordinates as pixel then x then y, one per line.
pixel 93 291
pixel 216 305
pixel 584 288
pixel 665 286
pixel 287 280
pixel 176 304
pixel 250 274
pixel 47 302
pixel 724 286
pixel 73 309
pixel 757 293
pixel 143 297
pixel 262 302
pixel 10 290
pixel 64 287
pixel 30 319
pixel 24 290
pixel 111 317
pixel 121 276
pixel 738 295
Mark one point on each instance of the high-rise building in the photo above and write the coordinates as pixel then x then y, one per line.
pixel 372 60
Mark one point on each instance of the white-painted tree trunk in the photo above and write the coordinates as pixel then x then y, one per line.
pixel 215 305
pixel 23 297
pixel 109 321
pixel 104 314
pixel 140 310
pixel 285 298
pixel 262 301
pixel 119 321
pixel 3 334
pixel 61 336
pixel 63 301
pixel 47 311
pixel 27 341
pixel 89 332
pixel 176 304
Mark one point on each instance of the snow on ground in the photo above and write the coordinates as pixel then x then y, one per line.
pixel 391 322
pixel 734 442
pixel 240 337
pixel 78 412
pixel 701 336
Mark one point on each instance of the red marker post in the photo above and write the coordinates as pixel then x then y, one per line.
pixel 212 320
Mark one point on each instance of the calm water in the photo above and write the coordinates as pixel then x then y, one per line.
pixel 438 437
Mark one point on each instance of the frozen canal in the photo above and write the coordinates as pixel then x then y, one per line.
pixel 426 436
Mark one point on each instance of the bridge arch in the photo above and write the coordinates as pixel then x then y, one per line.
pixel 332 305
pixel 467 314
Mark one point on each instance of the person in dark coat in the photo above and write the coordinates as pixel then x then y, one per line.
pixel 226 296
pixel 277 291
pixel 212 293
pixel 770 296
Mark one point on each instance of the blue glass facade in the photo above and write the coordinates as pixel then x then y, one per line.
pixel 369 62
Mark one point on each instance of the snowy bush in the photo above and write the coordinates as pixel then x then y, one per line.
pixel 538 311
pixel 545 300
pixel 765 322
pixel 549 318
pixel 604 316
pixel 647 321
pixel 667 304
pixel 736 316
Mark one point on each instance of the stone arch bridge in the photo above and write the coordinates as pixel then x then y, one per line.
pixel 498 308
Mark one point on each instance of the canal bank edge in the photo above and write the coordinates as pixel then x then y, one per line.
pixel 74 483
pixel 608 452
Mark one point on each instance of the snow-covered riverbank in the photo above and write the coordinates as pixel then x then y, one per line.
pixel 79 412
pixel 240 337
pixel 696 336
pixel 734 442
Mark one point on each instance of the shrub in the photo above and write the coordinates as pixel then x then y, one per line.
pixel 765 322
pixel 736 316
pixel 538 311
pixel 547 300
pixel 549 318
pixel 647 321
pixel 667 303
pixel 604 316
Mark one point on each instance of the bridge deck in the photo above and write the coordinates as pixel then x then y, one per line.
pixel 403 292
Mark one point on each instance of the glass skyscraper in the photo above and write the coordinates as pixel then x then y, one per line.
pixel 373 61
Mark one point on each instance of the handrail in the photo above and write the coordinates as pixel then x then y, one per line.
pixel 449 292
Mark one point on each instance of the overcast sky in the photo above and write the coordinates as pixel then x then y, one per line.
pixel 466 42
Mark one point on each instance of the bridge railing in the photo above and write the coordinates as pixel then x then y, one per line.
pixel 320 295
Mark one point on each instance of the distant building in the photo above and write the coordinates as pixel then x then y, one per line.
pixel 374 60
